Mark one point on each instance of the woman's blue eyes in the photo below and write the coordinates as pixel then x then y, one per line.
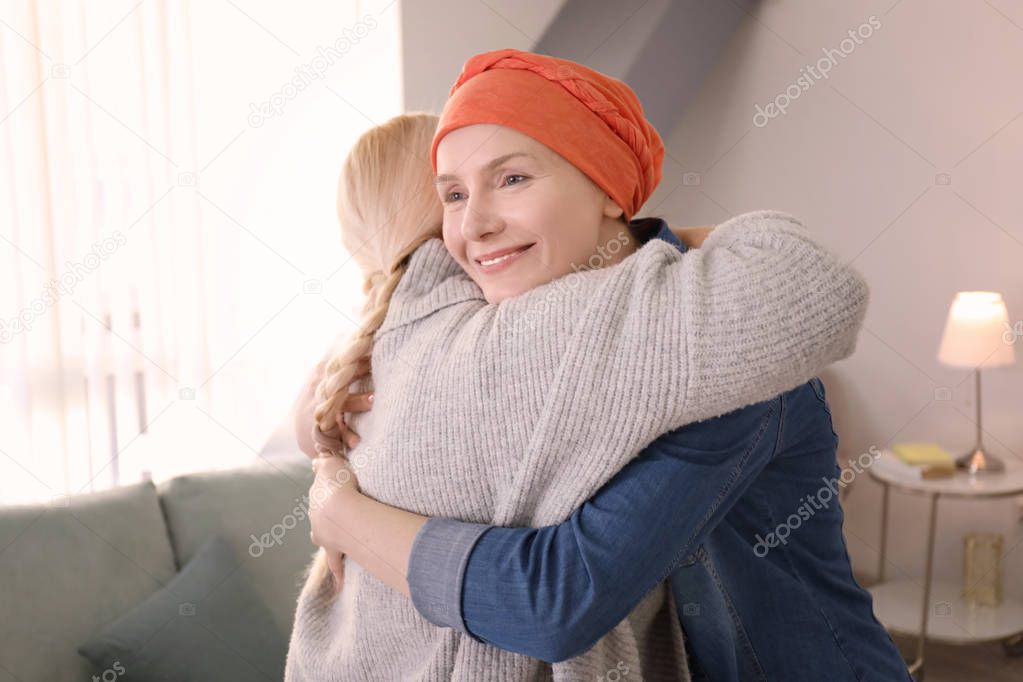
pixel 507 180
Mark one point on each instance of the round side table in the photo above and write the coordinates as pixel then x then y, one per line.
pixel 898 603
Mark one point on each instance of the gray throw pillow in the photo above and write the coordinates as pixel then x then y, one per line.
pixel 207 623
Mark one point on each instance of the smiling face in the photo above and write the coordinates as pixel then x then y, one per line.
pixel 518 215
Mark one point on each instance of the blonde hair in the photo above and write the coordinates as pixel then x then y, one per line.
pixel 387 207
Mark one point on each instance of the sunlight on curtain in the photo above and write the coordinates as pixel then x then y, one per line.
pixel 170 265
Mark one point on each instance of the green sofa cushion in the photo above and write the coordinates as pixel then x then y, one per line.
pixel 67 568
pixel 260 512
pixel 207 623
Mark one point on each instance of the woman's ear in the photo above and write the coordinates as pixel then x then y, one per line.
pixel 611 209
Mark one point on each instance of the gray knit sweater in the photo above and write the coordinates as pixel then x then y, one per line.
pixel 514 414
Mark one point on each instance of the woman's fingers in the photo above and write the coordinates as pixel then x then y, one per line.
pixel 358 402
pixel 693 237
pixel 355 402
pixel 325 444
pixel 348 437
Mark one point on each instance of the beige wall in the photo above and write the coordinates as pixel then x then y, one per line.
pixel 439 35
pixel 935 89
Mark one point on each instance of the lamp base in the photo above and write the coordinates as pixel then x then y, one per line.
pixel 979 462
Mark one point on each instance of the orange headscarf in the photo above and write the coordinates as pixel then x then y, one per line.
pixel 592 120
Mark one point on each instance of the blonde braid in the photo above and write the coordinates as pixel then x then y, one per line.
pixel 333 390
pixel 338 375
pixel 388 207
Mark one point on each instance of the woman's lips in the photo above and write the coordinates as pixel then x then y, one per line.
pixel 503 262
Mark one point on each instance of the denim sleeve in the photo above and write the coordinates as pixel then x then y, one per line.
pixel 552 592
pixel 436 567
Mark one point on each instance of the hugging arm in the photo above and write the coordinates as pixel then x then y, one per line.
pixel 762 308
pixel 552 592
pixel 759 309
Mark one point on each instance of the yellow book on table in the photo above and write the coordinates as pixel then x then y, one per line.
pixel 924 455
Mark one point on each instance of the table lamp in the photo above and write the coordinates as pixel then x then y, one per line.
pixel 974 336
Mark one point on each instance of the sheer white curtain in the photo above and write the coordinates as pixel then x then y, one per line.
pixel 169 259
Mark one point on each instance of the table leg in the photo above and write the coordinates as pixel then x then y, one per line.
pixel 917 667
pixel 884 533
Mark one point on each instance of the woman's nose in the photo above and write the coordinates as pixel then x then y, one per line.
pixel 479 221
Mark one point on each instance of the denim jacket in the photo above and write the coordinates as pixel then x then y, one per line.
pixel 740 513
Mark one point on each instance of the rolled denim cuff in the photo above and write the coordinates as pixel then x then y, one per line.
pixel 436 569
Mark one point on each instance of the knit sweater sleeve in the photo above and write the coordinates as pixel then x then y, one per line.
pixel 765 308
pixel 759 309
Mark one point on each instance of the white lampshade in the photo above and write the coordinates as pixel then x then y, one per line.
pixel 975 332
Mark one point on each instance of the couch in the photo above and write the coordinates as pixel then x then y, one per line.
pixel 70 567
